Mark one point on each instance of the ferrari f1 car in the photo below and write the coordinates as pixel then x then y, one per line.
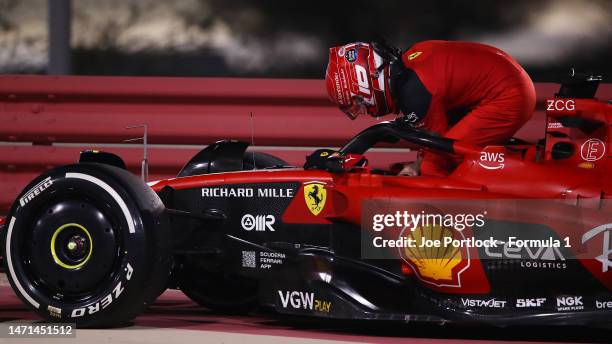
pixel 93 244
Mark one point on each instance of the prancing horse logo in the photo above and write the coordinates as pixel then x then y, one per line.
pixel 315 196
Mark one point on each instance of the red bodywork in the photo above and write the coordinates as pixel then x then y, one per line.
pixel 493 172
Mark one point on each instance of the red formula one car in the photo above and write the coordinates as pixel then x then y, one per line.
pixel 517 234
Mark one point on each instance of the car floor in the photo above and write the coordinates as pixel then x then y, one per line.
pixel 176 319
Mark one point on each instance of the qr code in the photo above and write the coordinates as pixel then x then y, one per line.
pixel 249 259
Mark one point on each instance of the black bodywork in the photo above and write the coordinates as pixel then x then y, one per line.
pixel 317 269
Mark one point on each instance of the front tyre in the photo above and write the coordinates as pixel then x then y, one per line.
pixel 87 243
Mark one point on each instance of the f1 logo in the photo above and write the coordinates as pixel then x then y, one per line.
pixel 592 150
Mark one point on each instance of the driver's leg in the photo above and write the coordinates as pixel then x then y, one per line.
pixel 493 123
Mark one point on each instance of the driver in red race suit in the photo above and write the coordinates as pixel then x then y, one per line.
pixel 460 90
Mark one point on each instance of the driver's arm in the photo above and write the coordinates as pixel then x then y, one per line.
pixel 422 110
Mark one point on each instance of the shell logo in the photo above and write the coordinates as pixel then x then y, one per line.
pixel 440 266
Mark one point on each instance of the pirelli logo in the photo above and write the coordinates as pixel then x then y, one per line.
pixel 35 191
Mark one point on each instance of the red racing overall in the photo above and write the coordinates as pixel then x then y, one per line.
pixel 464 91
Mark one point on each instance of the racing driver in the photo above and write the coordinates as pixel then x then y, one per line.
pixel 460 90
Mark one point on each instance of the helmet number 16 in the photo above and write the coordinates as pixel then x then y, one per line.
pixel 362 79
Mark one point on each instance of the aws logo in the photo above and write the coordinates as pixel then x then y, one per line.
pixel 492 160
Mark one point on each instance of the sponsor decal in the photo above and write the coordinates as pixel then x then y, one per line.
pixel 491 303
pixel 262 260
pixel 560 105
pixel 587 165
pixel 603 304
pixel 569 303
pixel 530 303
pixel 296 299
pixel 431 264
pixel 592 150
pixel 554 125
pixel 339 94
pixel 268 258
pixel 545 255
pixel 324 154
pixel 260 223
pixel 412 117
pixel 107 300
pixel 442 268
pixel 362 79
pixel 315 196
pixel 303 300
pixel 54 312
pixel 604 258
pixel 240 192
pixel 414 55
pixel 275 193
pixel 491 160
pixel 35 191
pixel 351 55
pixel 322 306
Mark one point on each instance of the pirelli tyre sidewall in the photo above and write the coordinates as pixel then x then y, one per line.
pixel 119 233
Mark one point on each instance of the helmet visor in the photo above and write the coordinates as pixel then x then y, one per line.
pixel 357 107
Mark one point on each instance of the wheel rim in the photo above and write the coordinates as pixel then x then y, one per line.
pixel 72 248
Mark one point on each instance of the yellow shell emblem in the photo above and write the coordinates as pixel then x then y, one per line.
pixel 414 55
pixel 434 263
pixel 315 196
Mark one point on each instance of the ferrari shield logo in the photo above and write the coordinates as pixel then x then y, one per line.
pixel 315 196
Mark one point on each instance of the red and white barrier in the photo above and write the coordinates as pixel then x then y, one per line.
pixel 290 118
